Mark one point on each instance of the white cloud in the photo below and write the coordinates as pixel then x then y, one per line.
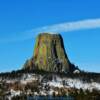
pixel 56 28
pixel 71 26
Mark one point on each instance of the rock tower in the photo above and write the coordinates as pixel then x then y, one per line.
pixel 49 54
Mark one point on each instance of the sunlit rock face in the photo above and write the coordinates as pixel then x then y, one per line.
pixel 49 54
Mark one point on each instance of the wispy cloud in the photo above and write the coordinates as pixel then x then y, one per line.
pixel 71 26
pixel 57 28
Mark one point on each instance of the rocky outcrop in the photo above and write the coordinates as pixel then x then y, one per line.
pixel 49 54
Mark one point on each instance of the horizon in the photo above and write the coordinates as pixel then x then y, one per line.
pixel 20 20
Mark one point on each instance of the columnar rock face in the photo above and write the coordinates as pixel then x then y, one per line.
pixel 49 54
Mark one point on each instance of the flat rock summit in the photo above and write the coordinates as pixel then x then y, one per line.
pixel 49 54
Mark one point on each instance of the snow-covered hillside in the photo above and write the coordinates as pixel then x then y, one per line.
pixel 56 81
pixel 45 84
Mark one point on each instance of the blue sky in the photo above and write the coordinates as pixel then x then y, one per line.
pixel 19 16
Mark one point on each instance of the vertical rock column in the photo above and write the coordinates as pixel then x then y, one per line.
pixel 49 53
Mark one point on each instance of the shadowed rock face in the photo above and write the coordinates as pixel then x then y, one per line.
pixel 49 54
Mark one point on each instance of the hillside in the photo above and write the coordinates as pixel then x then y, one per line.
pixel 40 83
